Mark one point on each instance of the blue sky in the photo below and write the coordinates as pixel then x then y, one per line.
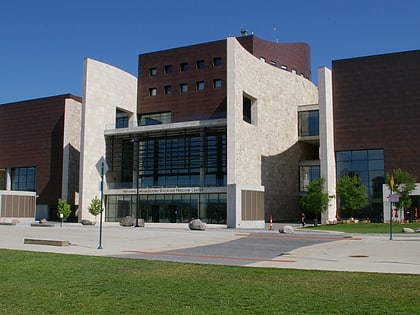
pixel 43 42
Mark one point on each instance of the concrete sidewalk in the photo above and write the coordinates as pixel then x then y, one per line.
pixel 329 251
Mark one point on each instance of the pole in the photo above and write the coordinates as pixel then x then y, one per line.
pixel 137 181
pixel 391 186
pixel 102 193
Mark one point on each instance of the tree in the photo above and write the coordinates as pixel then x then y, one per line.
pixel 95 207
pixel 315 200
pixel 63 208
pixel 352 194
pixel 404 184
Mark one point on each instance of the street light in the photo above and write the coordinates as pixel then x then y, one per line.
pixel 136 168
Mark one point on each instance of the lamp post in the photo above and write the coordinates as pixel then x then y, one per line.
pixel 391 186
pixel 136 169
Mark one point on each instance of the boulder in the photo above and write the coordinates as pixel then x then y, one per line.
pixel 131 221
pixel 87 222
pixel 128 221
pixel 197 224
pixel 286 229
pixel 408 230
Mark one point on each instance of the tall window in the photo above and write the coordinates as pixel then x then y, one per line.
pixel 200 85
pixel 23 178
pixel 308 123
pixel 306 175
pixel 185 160
pixel 217 62
pixel 184 87
pixel 369 166
pixel 168 69
pixel 184 66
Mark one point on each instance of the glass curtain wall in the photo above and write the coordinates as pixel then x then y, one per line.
pixel 369 166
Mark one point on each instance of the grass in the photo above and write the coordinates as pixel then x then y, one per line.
pixel 46 283
pixel 379 228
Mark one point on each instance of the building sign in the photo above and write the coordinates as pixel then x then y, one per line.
pixel 162 190
pixel 394 198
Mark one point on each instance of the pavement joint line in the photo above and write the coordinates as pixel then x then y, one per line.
pixel 209 257
pixel 301 236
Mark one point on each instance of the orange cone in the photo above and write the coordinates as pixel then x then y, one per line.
pixel 271 223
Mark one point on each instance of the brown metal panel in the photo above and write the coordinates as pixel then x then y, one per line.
pixel 376 105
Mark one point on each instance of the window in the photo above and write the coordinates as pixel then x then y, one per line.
pixel 200 85
pixel 284 67
pixel 217 62
pixel 308 123
pixel 184 88
pixel 262 58
pixel 121 122
pixel 294 71
pixel 200 64
pixel 153 71
pixel 249 110
pixel 273 63
pixel 168 69
pixel 23 178
pixel 306 175
pixel 217 83
pixel 168 89
pixel 155 119
pixel 369 166
pixel 184 66
pixel 152 91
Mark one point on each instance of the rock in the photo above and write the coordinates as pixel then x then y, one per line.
pixel 87 222
pixel 286 229
pixel 197 224
pixel 408 230
pixel 131 221
pixel 128 221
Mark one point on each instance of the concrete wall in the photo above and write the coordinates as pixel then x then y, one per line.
pixel 326 137
pixel 71 150
pixel 253 148
pixel 106 88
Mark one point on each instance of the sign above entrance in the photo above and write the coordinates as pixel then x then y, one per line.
pixel 162 190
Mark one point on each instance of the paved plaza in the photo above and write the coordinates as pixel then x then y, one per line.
pixel 304 249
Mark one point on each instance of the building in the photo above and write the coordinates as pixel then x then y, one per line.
pixel 229 131
pixel 206 131
pixel 39 159
pixel 376 120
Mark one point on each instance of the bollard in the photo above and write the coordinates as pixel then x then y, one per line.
pixel 271 223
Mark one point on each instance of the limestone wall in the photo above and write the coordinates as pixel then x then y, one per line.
pixel 106 88
pixel 259 147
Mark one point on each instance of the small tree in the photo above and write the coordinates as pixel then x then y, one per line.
pixel 315 199
pixel 63 208
pixel 352 194
pixel 404 184
pixel 95 207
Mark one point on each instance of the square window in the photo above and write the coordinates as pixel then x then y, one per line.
pixel 200 85
pixel 153 71
pixel 184 88
pixel 184 66
pixel 200 64
pixel 168 69
pixel 152 91
pixel 217 62
pixel 217 83
pixel 168 89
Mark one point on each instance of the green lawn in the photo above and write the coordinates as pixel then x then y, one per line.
pixel 380 228
pixel 45 283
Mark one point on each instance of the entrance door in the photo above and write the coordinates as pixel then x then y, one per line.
pixel 172 213
pixel 155 213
